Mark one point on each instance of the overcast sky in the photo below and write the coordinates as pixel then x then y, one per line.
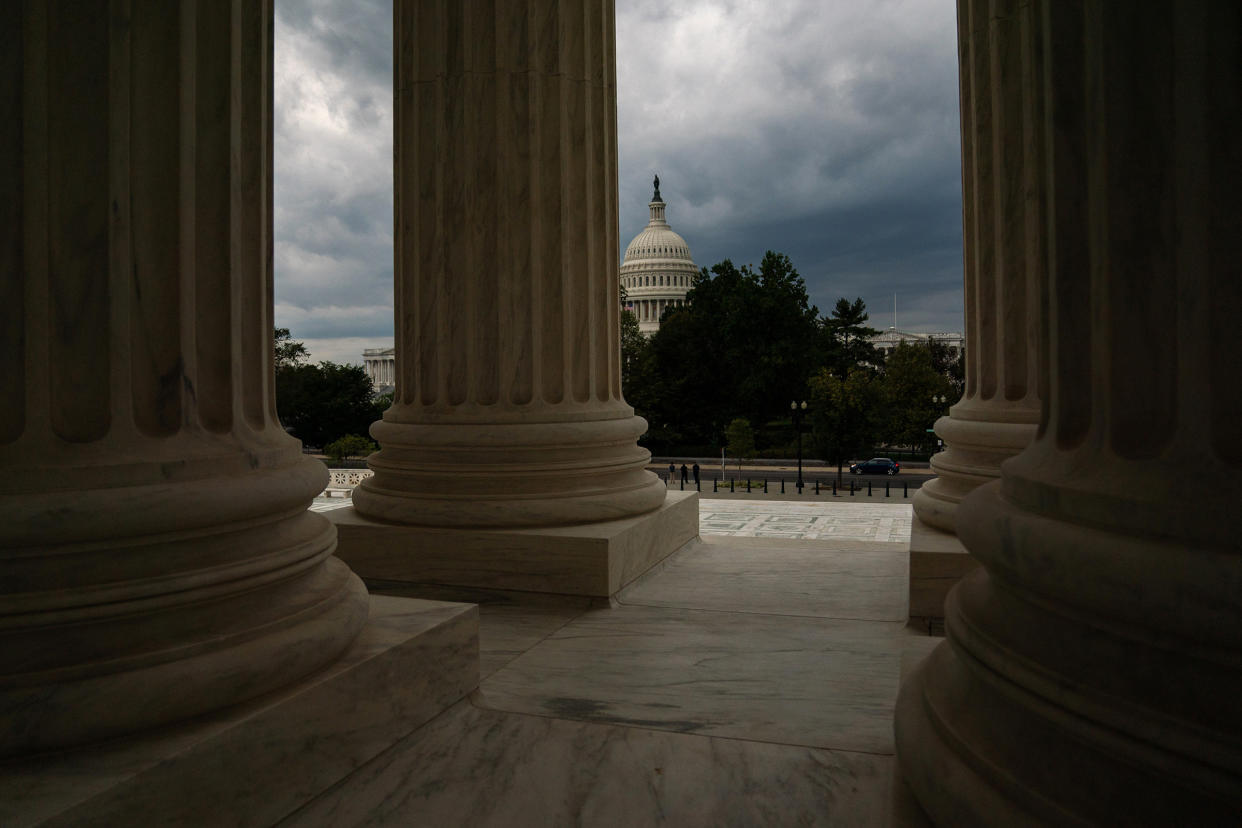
pixel 825 130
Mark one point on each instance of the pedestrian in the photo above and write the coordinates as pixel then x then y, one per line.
pixel 696 474
pixel 685 472
pixel 672 470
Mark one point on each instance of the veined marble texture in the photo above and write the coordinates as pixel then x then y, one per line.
pixel 483 768
pixel 881 522
pixel 800 681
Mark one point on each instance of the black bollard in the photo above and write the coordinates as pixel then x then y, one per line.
pixel 905 489
pixel 782 485
pixel 714 486
pixel 851 488
pixel 886 488
pixel 817 485
pixel 747 484
pixel 868 488
pixel 731 480
pixel 698 485
pixel 765 485
pixel 834 488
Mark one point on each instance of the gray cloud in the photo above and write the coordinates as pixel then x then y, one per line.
pixel 828 131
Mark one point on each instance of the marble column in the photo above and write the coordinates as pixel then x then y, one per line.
pixel 508 409
pixel 156 557
pixel 1004 254
pixel 1094 663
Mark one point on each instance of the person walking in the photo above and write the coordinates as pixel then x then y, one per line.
pixel 695 469
pixel 685 475
pixel 672 470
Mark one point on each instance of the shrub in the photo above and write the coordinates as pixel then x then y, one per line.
pixel 351 445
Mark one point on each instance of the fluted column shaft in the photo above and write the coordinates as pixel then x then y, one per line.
pixel 1004 254
pixel 508 408
pixel 1094 664
pixel 156 556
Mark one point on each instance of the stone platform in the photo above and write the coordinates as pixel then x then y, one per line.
pixel 255 763
pixel 595 559
pixel 743 682
pixel 937 562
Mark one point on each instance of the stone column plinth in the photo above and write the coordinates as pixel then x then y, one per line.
pixel 1094 663
pixel 156 557
pixel 508 408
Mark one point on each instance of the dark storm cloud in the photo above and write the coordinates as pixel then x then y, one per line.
pixel 828 131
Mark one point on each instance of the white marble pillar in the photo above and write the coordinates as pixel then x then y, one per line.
pixel 1004 256
pixel 1094 663
pixel 508 409
pixel 156 557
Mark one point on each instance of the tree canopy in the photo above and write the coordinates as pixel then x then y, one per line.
pixel 748 341
pixel 321 403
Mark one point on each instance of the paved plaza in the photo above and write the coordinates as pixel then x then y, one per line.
pixel 835 520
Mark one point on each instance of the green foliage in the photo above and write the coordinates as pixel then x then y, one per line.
pixel 742 346
pixel 954 368
pixel 846 413
pixel 740 439
pixel 845 338
pixel 319 403
pixel 288 351
pixel 911 378
pixel 351 445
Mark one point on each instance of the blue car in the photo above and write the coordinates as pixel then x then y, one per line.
pixel 876 465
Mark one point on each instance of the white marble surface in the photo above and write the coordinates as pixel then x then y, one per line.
pixel 784 679
pixel 591 559
pixel 860 580
pixel 254 763
pixel 482 768
pixel 808 521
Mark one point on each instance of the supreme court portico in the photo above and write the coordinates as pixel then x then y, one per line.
pixel 544 635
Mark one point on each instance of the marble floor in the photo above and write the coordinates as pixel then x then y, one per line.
pixel 744 681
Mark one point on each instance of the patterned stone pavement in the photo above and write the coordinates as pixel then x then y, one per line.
pixel 883 522
pixel 889 523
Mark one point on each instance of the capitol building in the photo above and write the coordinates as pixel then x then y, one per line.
pixel 657 270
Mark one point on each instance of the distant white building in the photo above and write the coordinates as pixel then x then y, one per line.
pixel 657 269
pixel 381 366
pixel 888 340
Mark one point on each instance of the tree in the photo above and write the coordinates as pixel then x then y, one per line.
pixel 633 351
pixel 289 352
pixel 351 445
pixel 741 346
pixel 845 338
pixel 319 403
pixel 910 381
pixel 953 367
pixel 740 439
pixel 846 413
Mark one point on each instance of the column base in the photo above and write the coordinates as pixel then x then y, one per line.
pixel 592 559
pixel 938 560
pixel 255 763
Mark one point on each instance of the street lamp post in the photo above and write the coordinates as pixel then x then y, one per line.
pixel 937 400
pixel 798 410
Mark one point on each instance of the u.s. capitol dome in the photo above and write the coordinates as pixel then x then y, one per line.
pixel 657 270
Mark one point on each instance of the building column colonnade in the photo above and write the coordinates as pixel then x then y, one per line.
pixel 1093 663
pixel 508 409
pixel 158 560
pixel 1004 254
